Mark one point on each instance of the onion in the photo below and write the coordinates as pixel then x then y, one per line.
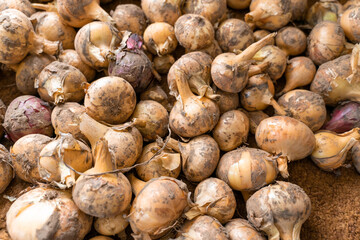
pixel 60 82
pixel 213 49
pixel 331 148
pixel 325 42
pixel 94 43
pixel 202 228
pixel 6 171
pixel 77 13
pixel 260 34
pixel 350 4
pixel 299 72
pixel 65 149
pixel 160 11
pixel 106 195
pixel 241 229
pixel 124 141
pixel 214 10
pixel 234 35
pixel 231 130
pixel 156 93
pixel 19 38
pixel 25 156
pixel 131 63
pixel 238 4
pixel 299 9
pixel 324 10
pixel 153 218
pixel 156 118
pixel 47 214
pixel 22 5
pixel 111 225
pixel 349 22
pixel 167 163
pixel 269 14
pixel 110 99
pixel 160 39
pixel 255 118
pixel 2 116
pixel 279 210
pixel 71 57
pixel 27 115
pixel 230 72
pixel 215 198
pixel 227 101
pixel 344 118
pixel 49 26
pixel 162 64
pixel 291 40
pixel 200 156
pixel 287 137
pixel 129 17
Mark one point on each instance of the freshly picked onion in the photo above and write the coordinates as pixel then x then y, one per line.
pixel 241 229
pixel 47 214
pixel 214 10
pixel 162 64
pixel 6 171
pixel 227 101
pixel 159 38
pixel 291 40
pixel 331 148
pixel 105 195
pixel 299 9
pixel 213 197
pixel 111 225
pixel 344 118
pixel 21 5
pixel 279 209
pixel 349 22
pixel 159 11
pixel 129 17
pixel 324 10
pixel 150 217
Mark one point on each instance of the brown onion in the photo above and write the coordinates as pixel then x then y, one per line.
pixel 349 22
pixel 21 5
pixel 241 229
pixel 214 10
pixel 160 11
pixel 160 39
pixel 111 225
pixel 162 64
pixel 227 101
pixel 291 40
pixel 324 10
pixel 6 170
pixel 260 34
pixel 129 17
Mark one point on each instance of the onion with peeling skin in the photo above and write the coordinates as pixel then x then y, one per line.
pixel 106 195
pixel 279 209
pixel 129 17
pixel 213 10
pixel 241 229
pixel 150 217
pixel 331 148
pixel 60 82
pixel 17 31
pixel 215 198
pixel 227 101
pixel 291 40
pixel 112 225
pixel 344 118
pixel 27 115
pixel 160 11
pixel 324 10
pixel 47 214
pixel 22 5
pixel 25 156
pixel 200 156
pixel 6 170
pixel 159 38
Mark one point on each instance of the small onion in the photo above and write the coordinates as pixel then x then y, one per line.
pixel 255 118
pixel 21 5
pixel 111 225
pixel 214 10
pixel 349 22
pixel 324 10
pixel 291 40
pixel 129 17
pixel 241 229
pixel 162 64
pixel 156 93
pixel 6 171
pixel 227 101
pixel 160 11
pixel 260 34
pixel 160 39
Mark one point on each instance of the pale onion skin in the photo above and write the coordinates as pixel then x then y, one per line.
pixel 110 99
pixel 94 42
pixel 162 64
pixel 18 32
pixel 60 82
pixel 355 156
pixel 202 228
pixel 349 23
pixel 305 106
pixel 233 35
pixel 159 38
pixel 247 169
pixel 231 130
pixel 49 26
pixel 194 31
pixel 47 214
pixel 21 5
pixel 227 101
pixel 111 225
pixel 25 156
pixel 213 10
pixel 29 69
pixel 2 116
pixel 65 119
pixel 298 9
pixel 279 210
pixel 238 4
pixel 71 57
pixel 325 42
pixel 6 171
pixel 129 17
pixel 149 216
pixel 286 136
pixel 214 198
pixel 238 228
pixel 158 11
pixel 167 163
pixel 291 40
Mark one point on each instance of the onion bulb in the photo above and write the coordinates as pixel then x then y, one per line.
pixel 241 229
pixel 160 11
pixel 214 198
pixel 255 118
pixel 19 38
pixel 162 64
pixel 150 217
pixel 25 156
pixel 200 156
pixel 227 101
pixel 349 22
pixel 344 118
pixel 47 214
pixel 106 195
pixel 260 34
pixel 129 17
pixel 279 209
pixel 299 9
pixel 156 93
pixel 159 38
pixel 6 171
pixel 291 40
pixel 60 82
pixel 331 148
pixel 21 5
pixel 214 11
pixel 111 225
pixel 324 10
pixel 350 4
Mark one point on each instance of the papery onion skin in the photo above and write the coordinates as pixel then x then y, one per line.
pixel 241 229
pixel 6 171
pixel 129 17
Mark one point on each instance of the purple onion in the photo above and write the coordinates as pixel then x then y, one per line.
pixel 27 115
pixel 344 118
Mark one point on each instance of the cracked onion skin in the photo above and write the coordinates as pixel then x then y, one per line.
pixel 47 214
pixel 6 170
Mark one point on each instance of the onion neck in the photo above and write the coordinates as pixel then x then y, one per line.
pixel 200 87
pixel 174 144
pixel 254 16
pixel 136 184
pixel 257 69
pixel 46 7
pixel 39 45
pixel 102 157
pixel 277 107
pixel 92 129
pixel 98 13
pixel 282 166
pixel 183 88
